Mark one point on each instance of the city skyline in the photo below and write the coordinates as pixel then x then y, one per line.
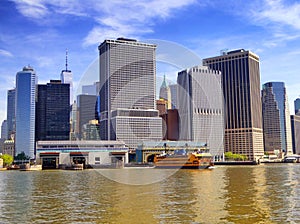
pixel 31 36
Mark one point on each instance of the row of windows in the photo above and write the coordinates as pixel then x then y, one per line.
pixel 207 111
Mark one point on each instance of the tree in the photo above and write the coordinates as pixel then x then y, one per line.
pixel 7 159
pixel 235 157
pixel 22 156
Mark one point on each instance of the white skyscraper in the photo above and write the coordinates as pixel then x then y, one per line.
pixel 26 81
pixel 200 107
pixel 66 76
pixel 127 92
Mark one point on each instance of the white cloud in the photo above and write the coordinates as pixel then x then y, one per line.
pixel 5 53
pixel 44 62
pixel 31 8
pixel 113 18
pixel 279 12
pixel 131 18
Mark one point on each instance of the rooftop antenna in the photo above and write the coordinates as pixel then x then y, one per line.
pixel 66 59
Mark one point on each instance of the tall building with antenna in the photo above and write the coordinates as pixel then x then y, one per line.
pixel 66 77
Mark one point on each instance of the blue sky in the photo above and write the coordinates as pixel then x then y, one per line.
pixel 37 32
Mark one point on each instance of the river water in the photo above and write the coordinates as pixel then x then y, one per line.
pixel 227 194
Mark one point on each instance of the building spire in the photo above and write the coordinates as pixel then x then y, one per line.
pixel 164 84
pixel 66 59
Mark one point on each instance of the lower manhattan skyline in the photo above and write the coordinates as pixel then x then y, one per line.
pixel 38 34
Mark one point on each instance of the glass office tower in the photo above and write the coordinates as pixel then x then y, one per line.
pixel 53 111
pixel 26 81
pixel 276 118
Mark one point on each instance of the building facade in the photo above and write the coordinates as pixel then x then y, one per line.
pixel 11 112
pixel 297 106
pixel 26 81
pixel 4 134
pixel 276 118
pixel 91 131
pixel 9 147
pixel 86 111
pixel 200 108
pixel 171 125
pixel 92 154
pixel 295 125
pixel 53 111
pixel 127 92
pixel 73 121
pixel 173 90
pixel 241 92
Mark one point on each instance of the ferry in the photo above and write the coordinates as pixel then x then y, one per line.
pixel 180 159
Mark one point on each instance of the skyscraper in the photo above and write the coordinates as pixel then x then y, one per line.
pixel 165 93
pixel 241 91
pixel 66 76
pixel 86 111
pixel 276 118
pixel 297 106
pixel 4 129
pixel 26 81
pixel 295 126
pixel 53 111
pixel 173 89
pixel 11 112
pixel 127 93
pixel 200 107
pixel 90 89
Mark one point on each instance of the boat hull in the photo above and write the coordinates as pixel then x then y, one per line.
pixel 183 167
pixel 192 161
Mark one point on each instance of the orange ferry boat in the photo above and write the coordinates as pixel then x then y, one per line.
pixel 195 160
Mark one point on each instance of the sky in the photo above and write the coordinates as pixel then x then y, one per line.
pixel 38 32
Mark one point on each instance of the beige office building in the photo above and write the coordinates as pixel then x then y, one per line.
pixel 243 110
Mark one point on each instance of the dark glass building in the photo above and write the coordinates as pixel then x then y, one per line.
pixel 297 106
pixel 241 90
pixel 11 112
pixel 276 118
pixel 53 111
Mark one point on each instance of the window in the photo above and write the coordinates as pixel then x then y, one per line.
pixel 97 160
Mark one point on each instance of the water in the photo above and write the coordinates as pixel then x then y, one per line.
pixel 229 194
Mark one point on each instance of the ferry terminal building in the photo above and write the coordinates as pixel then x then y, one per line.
pixel 57 154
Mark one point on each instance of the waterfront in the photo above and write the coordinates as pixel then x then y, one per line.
pixel 228 194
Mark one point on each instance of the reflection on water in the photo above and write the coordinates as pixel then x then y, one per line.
pixel 229 194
